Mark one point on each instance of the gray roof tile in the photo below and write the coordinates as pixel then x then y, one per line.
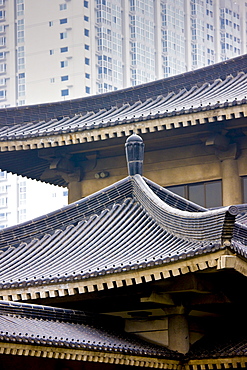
pixel 125 226
pixel 49 326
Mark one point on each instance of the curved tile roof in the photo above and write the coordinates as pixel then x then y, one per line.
pixel 222 345
pixel 124 226
pixel 230 91
pixel 167 89
pixel 49 326
pixel 214 95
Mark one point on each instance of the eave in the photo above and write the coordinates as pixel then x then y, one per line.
pixel 220 260
pixel 78 354
pixel 217 363
pixel 140 125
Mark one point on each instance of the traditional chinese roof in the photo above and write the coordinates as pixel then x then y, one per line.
pixel 172 88
pixel 133 225
pixel 218 91
pixel 85 336
pixel 27 329
pixel 232 90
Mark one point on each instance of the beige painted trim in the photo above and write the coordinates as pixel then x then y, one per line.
pixel 141 127
pixel 231 362
pixel 233 262
pixel 18 349
pixel 117 280
pixel 85 355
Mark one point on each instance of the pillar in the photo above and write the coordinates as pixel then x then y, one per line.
pixel 75 191
pixel 231 182
pixel 178 333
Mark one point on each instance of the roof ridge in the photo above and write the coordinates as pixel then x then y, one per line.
pixel 43 312
pixel 210 225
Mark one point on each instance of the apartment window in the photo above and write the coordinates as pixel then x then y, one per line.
pixel 2 94
pixel 3 189
pixel 87 89
pixel 22 199
pixel 3 201
pixel 64 78
pixel 64 49
pixel 22 195
pixel 20 7
pixel 86 18
pixel 50 23
pixel 3 175
pixel 63 20
pixel 87 61
pixel 86 47
pixel 2 55
pixel 51 51
pixel 22 215
pixel 206 194
pixel 2 67
pixel 3 216
pixel 2 41
pixel 2 15
pixel 52 80
pixel 86 4
pixel 20 57
pixel 2 81
pixel 2 2
pixel 63 35
pixel 62 6
pixel 64 63
pixel 87 75
pixel 86 32
pixel 65 92
pixel 2 28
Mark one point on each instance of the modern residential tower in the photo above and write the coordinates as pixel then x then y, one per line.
pixel 66 49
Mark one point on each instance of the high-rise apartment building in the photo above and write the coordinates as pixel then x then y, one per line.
pixel 18 196
pixel 65 49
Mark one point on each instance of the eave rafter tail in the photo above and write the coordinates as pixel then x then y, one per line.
pixel 214 261
pixel 85 355
pixel 219 363
pixel 141 126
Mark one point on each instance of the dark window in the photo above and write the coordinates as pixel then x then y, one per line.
pixel 65 92
pixel 86 47
pixel 206 194
pixel 64 49
pixel 86 32
pixel 87 61
pixel 86 4
pixel 87 90
pixel 86 18
pixel 64 20
pixel 64 78
pixel 63 35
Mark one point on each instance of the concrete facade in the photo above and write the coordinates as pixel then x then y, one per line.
pixel 80 48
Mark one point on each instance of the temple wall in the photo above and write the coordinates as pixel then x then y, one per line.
pixel 174 166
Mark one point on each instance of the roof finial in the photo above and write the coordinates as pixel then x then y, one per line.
pixel 134 148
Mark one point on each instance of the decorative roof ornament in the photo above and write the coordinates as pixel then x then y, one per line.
pixel 134 148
